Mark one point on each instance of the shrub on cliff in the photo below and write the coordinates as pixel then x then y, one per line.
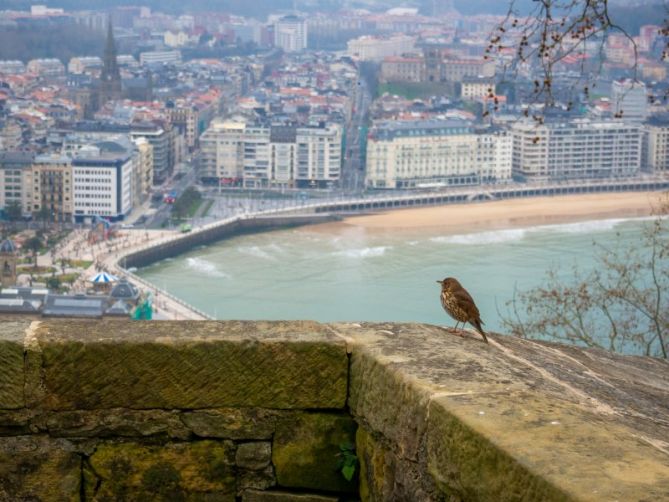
pixel 622 306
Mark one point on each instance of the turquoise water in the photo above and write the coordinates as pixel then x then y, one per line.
pixel 351 274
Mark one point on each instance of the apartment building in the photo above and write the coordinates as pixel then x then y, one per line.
pixel 144 167
pixel 103 183
pixel 16 180
pixel 429 153
pixel 656 145
pixel 371 48
pixel 290 34
pixel 277 155
pixel 630 100
pixel 402 69
pixel 186 118
pixel 159 57
pixel 457 70
pixel 578 149
pixel 49 67
pixel 222 150
pixel 163 148
pixel 474 88
pixel 52 191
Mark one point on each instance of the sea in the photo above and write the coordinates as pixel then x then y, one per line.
pixel 347 273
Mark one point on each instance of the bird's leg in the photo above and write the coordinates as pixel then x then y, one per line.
pixel 456 325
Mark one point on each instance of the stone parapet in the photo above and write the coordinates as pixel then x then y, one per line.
pixel 261 411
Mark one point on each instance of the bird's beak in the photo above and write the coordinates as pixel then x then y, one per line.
pixel 439 282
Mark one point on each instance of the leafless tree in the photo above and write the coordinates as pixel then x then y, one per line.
pixel 622 306
pixel 553 31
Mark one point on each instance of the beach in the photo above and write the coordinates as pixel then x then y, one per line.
pixel 512 213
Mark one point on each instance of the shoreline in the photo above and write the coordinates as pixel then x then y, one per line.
pixel 474 217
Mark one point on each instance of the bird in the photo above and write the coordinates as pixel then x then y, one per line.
pixel 459 304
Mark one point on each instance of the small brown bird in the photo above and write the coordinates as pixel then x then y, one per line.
pixel 459 304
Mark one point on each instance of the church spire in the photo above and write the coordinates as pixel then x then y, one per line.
pixel 110 77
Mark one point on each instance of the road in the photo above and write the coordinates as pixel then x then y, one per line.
pixel 173 184
pixel 353 175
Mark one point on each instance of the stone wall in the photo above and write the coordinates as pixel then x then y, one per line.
pixel 214 232
pixel 258 411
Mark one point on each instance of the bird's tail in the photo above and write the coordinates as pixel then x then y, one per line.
pixel 477 324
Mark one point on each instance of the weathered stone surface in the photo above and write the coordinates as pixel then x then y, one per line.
pixel 254 479
pixel 514 419
pixel 384 475
pixel 117 422
pixel 267 496
pixel 16 422
pixel 12 335
pixel 38 468
pixel 232 423
pixel 305 449
pixel 191 365
pixel 255 455
pixel 170 472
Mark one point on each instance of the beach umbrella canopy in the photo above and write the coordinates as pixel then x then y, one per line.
pixel 103 278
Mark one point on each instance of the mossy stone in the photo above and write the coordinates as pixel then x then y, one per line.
pixel 171 472
pixel 191 365
pixel 11 365
pixel 39 468
pixel 305 451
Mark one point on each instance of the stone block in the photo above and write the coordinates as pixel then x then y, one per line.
pixel 386 476
pixel 12 335
pixel 255 455
pixel 190 365
pixel 39 468
pixel 268 496
pixel 174 471
pixel 16 422
pixel 527 446
pixel 232 423
pixel 305 449
pixel 254 479
pixel 117 422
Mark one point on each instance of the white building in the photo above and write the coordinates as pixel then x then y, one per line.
pixel 371 48
pixel 159 57
pixel 424 153
pixel 630 100
pixel 103 183
pixel 12 67
pixel 46 67
pixel 79 65
pixel 222 148
pixel 656 149
pixel 577 149
pixel 178 38
pixel 262 156
pixel 290 34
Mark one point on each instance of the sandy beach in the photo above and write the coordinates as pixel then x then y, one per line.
pixel 514 213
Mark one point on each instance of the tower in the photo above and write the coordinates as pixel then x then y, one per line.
pixel 110 78
pixel 7 263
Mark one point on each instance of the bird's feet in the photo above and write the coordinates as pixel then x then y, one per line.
pixel 453 331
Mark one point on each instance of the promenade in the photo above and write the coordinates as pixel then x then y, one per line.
pixel 106 256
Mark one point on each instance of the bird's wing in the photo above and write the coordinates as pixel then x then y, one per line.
pixel 465 298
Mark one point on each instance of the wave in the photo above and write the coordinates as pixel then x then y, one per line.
pixel 205 267
pixel 258 252
pixel 489 237
pixel 368 252
pixel 516 234
pixel 586 227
